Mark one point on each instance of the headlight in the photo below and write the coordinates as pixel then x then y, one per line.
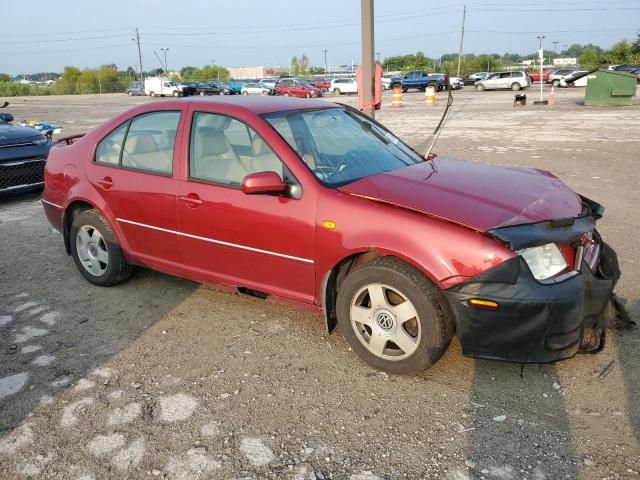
pixel 544 261
pixel 41 141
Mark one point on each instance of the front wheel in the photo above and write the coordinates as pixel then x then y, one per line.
pixel 555 83
pixel 393 317
pixel 176 94
pixel 515 86
pixel 202 94
pixel 245 93
pixel 480 88
pixel 153 94
pixel 336 91
pixel 95 250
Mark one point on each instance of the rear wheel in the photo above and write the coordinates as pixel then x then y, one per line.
pixel 130 93
pixel 555 83
pixel 202 94
pixel 515 86
pixel 95 250
pixel 393 317
pixel 245 93
pixel 176 94
pixel 153 94
pixel 286 94
pixel 480 88
pixel 307 95
pixel 336 91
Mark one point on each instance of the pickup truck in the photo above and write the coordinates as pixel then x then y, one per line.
pixel 420 80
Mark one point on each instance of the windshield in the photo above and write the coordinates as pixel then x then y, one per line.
pixel 341 146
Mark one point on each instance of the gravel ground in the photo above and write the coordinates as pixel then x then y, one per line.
pixel 163 378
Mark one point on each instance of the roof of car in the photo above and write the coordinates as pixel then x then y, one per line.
pixel 254 104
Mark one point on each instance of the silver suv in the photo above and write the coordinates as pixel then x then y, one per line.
pixel 503 80
pixel 556 75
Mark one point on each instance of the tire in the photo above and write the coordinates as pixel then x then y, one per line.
pixel 286 94
pixel 515 86
pixel 176 94
pixel 92 242
pixel 245 93
pixel 422 338
pixel 153 94
pixel 555 83
pixel 480 88
pixel 202 94
pixel 307 95
pixel 337 91
pixel 404 90
pixel 130 93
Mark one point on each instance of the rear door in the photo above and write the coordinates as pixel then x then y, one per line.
pixel 133 171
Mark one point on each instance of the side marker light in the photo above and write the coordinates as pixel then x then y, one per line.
pixel 483 304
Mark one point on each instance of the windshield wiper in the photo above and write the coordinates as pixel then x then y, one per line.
pixel 367 127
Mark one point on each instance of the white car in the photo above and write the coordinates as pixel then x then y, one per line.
pixel 343 85
pixel 255 88
pixel 456 83
pixel 580 82
pixel 504 80
pixel 268 83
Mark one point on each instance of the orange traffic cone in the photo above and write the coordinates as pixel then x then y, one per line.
pixel 430 96
pixel 396 97
pixel 551 99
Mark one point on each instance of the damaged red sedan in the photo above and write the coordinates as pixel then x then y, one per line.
pixel 316 204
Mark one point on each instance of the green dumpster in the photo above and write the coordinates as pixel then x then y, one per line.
pixel 610 87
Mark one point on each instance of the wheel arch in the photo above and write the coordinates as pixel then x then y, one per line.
pixel 80 204
pixel 335 276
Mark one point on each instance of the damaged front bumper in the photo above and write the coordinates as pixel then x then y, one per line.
pixel 532 321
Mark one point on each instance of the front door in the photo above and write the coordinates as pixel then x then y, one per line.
pixel 261 242
pixel 133 172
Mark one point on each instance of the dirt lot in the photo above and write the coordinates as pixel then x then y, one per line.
pixel 164 378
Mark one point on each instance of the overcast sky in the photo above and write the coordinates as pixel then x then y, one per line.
pixel 47 36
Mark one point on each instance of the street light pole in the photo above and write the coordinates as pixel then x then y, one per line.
pixel 540 58
pixel 166 68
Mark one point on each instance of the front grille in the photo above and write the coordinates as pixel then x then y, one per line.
pixel 16 174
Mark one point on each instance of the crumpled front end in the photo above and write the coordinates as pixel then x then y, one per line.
pixel 505 313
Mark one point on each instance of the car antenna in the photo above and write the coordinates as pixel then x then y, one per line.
pixel 438 129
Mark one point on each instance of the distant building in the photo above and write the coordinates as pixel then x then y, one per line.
pixel 559 62
pixel 249 72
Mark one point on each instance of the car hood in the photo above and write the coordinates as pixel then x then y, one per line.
pixel 15 134
pixel 478 196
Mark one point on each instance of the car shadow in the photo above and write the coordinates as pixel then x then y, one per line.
pixel 55 327
pixel 628 346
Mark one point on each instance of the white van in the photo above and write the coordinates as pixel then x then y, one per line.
pixel 161 86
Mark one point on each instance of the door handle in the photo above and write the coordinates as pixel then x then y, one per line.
pixel 191 200
pixel 106 183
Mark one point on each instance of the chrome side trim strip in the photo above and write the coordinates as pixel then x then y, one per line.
pixel 217 242
pixel 51 203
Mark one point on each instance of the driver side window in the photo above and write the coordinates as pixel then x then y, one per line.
pixel 225 150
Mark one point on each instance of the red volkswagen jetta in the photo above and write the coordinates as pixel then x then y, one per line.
pixel 317 204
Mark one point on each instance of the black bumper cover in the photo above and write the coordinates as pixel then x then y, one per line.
pixel 535 322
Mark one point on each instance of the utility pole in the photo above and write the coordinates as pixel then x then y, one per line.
pixel 325 61
pixel 540 59
pixel 366 13
pixel 377 56
pixel 137 40
pixel 555 45
pixel 464 14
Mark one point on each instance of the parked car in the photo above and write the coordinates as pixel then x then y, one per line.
pixel 203 89
pixel 386 80
pixel 636 72
pixel 456 83
pixel 474 77
pixel 321 83
pixel 343 85
pixel 23 153
pixel 626 68
pixel 297 89
pixel 316 204
pixel 571 80
pixel 504 80
pixel 222 87
pixel 557 75
pixel 158 86
pixel 256 88
pixel 236 85
pixel 269 83
pixel 187 89
pixel 535 74
pixel 136 88
pixel 420 79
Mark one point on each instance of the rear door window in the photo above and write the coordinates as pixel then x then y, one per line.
pixel 150 141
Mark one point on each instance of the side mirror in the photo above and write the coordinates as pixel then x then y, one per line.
pixel 263 183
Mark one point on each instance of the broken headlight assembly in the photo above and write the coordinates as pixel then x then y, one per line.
pixel 545 261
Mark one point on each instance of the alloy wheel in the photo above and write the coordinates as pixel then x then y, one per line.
pixel 385 321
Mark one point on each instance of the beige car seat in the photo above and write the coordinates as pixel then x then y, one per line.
pixel 264 160
pixel 141 151
pixel 215 159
